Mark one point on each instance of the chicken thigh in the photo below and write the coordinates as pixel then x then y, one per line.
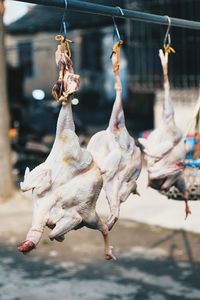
pixel 115 152
pixel 164 148
pixel 66 186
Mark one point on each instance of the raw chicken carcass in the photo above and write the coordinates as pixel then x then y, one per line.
pixel 66 186
pixel 164 148
pixel 115 152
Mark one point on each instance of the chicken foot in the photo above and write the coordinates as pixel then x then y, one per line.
pixel 95 222
pixel 72 219
pixel 179 182
pixel 84 216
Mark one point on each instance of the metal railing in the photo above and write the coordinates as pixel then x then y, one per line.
pixel 143 41
pixel 88 7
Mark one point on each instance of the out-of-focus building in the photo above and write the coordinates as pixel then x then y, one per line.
pixel 31 46
pixel 31 49
pixel 145 39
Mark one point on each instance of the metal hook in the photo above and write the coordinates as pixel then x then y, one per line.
pixel 121 11
pixel 66 4
pixel 167 38
pixel 116 29
pixel 115 24
pixel 65 29
pixel 63 19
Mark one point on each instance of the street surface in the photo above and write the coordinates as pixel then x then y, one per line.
pixel 140 274
pixel 153 263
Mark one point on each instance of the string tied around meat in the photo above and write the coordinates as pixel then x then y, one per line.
pixel 62 36
pixel 64 44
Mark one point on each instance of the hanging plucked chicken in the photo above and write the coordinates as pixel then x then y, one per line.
pixel 66 186
pixel 191 163
pixel 115 152
pixel 164 148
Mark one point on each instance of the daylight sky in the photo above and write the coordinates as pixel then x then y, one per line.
pixel 14 10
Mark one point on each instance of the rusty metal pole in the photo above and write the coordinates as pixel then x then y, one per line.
pixel 6 180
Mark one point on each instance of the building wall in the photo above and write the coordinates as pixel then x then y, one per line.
pixel 145 39
pixel 184 101
pixel 45 71
pixel 44 68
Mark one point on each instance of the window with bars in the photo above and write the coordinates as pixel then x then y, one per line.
pixel 91 59
pixel 145 40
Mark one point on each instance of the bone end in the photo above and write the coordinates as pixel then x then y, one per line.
pixel 26 246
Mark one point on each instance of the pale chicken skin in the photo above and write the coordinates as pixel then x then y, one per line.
pixel 66 186
pixel 116 154
pixel 164 148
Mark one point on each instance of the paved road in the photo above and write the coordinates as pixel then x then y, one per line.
pixel 153 264
pixel 138 275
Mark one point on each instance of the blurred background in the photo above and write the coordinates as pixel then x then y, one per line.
pixel 31 68
pixel 154 263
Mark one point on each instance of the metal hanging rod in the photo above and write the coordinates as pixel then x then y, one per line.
pixel 111 11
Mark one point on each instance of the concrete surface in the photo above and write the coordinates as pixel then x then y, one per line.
pixel 155 209
pixel 153 263
pixel 140 274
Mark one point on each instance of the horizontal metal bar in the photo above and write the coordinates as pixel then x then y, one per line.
pixel 88 7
